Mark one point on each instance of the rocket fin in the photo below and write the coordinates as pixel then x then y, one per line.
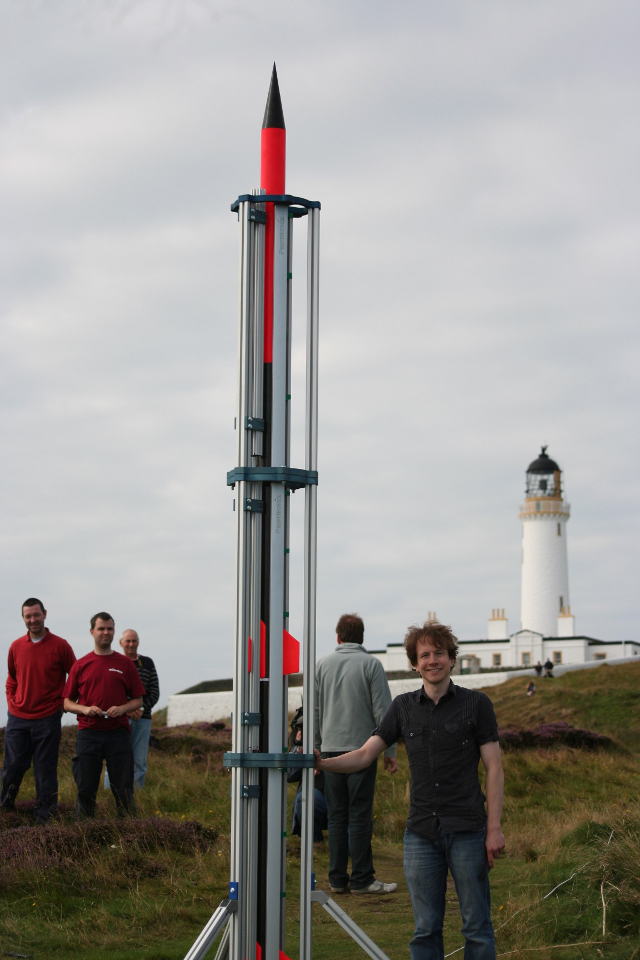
pixel 290 654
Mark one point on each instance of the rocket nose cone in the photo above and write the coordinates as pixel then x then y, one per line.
pixel 273 115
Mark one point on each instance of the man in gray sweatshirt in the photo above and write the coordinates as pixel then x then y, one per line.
pixel 352 696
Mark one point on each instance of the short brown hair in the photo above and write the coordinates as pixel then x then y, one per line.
pixel 101 616
pixel 33 602
pixel 440 635
pixel 350 628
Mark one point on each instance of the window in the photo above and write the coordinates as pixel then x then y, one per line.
pixel 557 656
pixel 526 659
pixel 496 660
pixel 559 529
pixel 600 656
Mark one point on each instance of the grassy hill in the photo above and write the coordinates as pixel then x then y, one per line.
pixel 146 888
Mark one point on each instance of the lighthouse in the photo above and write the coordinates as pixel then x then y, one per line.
pixel 545 605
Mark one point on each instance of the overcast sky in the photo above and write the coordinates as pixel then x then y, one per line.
pixel 477 165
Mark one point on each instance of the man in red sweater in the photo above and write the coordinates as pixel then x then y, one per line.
pixel 38 665
pixel 102 689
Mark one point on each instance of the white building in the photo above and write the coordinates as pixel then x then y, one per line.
pixel 545 573
pixel 522 649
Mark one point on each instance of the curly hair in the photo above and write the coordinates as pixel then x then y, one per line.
pixel 441 636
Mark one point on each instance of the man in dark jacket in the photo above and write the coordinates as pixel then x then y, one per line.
pixel 140 720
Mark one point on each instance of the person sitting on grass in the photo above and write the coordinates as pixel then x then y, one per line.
pixel 447 730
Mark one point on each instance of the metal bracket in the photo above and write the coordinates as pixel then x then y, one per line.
pixel 292 477
pixel 251 719
pixel 258 216
pixel 279 761
pixel 282 198
pixel 253 506
pixel 249 792
pixel 254 423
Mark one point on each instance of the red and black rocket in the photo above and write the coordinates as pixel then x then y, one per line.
pixel 273 161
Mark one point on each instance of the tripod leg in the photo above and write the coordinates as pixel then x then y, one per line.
pixel 222 952
pixel 351 927
pixel 205 941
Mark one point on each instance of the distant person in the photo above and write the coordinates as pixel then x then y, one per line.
pixel 352 696
pixel 140 720
pixel 531 688
pixel 103 688
pixel 295 776
pixel 447 730
pixel 538 669
pixel 38 666
pixel 548 669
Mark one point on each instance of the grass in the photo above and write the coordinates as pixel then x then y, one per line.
pixel 571 818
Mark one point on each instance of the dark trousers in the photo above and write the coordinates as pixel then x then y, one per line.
pixel 92 747
pixel 24 741
pixel 349 799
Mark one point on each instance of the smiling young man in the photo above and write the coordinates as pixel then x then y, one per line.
pixel 102 689
pixel 447 730
pixel 38 665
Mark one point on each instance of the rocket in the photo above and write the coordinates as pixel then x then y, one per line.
pixel 273 157
pixel 272 182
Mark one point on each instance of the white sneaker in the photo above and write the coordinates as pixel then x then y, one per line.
pixel 377 887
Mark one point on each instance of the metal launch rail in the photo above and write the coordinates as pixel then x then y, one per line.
pixel 252 918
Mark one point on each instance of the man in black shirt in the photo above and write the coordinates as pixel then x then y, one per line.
pixel 446 729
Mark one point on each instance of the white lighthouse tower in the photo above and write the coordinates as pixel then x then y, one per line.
pixel 545 605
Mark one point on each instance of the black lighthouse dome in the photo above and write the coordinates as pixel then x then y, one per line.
pixel 543 477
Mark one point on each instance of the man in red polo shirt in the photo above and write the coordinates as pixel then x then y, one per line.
pixel 38 665
pixel 102 689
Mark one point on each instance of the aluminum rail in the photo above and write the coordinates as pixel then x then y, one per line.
pixel 310 579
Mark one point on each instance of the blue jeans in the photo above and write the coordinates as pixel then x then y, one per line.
pixel 24 741
pixel 426 863
pixel 140 733
pixel 319 815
